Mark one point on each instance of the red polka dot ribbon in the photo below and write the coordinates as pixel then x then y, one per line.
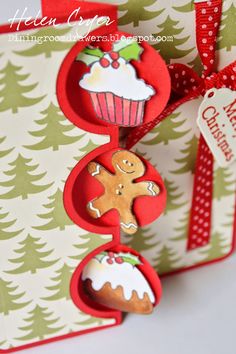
pixel 188 85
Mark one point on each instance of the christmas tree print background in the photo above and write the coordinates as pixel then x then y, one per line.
pixel 171 146
pixel 36 293
pixel 40 247
pixel 174 20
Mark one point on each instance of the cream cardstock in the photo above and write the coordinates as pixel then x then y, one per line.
pixel 217 123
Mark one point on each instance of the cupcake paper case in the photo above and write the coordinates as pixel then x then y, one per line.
pixel 117 94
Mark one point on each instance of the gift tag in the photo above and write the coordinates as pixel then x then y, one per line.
pixel 217 123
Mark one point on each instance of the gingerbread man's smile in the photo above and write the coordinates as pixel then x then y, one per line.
pixel 125 163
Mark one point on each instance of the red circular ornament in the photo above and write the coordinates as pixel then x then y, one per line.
pixel 117 83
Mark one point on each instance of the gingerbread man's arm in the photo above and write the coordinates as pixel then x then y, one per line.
pixel 99 206
pixel 98 171
pixel 146 188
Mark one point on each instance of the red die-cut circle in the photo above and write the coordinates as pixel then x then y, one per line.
pixel 145 208
pixel 151 68
pixel 82 300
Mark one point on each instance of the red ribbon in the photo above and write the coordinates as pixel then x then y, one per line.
pixel 185 82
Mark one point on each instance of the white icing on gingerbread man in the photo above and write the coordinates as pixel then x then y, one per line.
pixel 120 189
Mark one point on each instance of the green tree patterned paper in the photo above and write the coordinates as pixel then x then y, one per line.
pixel 56 217
pixel 179 155
pixel 230 218
pixel 90 146
pixel 23 179
pixel 182 230
pixel 227 37
pixel 91 320
pixel 144 155
pixel 54 128
pixel 142 240
pixel 91 242
pixel 169 49
pixel 29 264
pixel 196 64
pixel 48 46
pixel 173 195
pixel 164 261
pixel 40 324
pixel 32 256
pixel 216 249
pixel 5 233
pixel 223 183
pixel 34 64
pixel 166 131
pixel 4 152
pixel 136 11
pixel 188 7
pixel 188 161
pixel 13 91
pixel 10 297
pixel 61 289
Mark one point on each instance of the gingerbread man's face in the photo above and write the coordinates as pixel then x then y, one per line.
pixel 127 163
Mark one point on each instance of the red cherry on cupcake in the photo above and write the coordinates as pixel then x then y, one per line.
pixel 109 261
pixel 104 62
pixel 114 55
pixel 110 254
pixel 119 260
pixel 115 64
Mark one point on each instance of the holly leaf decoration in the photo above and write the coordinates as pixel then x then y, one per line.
pixel 129 258
pixel 131 52
pixel 90 55
pixel 122 43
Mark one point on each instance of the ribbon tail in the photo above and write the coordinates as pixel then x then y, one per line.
pixel 201 211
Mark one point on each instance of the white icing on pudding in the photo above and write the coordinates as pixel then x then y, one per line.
pixel 125 275
pixel 122 81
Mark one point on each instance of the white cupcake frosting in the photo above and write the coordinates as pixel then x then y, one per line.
pixel 125 275
pixel 122 81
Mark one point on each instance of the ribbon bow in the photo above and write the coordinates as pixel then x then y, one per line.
pixel 185 81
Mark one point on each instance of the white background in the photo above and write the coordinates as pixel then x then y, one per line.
pixel 197 314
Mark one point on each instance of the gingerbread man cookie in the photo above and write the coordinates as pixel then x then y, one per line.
pixel 120 188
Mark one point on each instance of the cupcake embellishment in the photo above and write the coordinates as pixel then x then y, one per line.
pixel 117 94
pixel 114 280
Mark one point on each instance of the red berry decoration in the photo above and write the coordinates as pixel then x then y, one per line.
pixel 119 260
pixel 109 261
pixel 115 64
pixel 114 55
pixel 104 62
pixel 110 254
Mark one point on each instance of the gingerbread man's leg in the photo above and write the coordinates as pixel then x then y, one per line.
pixel 98 171
pixel 128 222
pixel 146 188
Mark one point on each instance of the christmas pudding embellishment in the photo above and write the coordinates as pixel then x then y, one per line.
pixel 113 280
pixel 120 188
pixel 117 94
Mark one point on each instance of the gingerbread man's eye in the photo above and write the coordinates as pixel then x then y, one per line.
pixel 130 164
pixel 125 161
